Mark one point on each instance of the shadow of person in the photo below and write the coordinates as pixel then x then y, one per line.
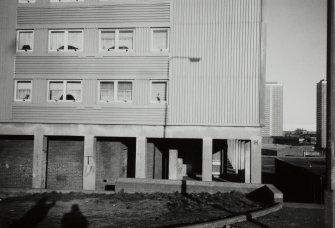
pixel 35 215
pixel 74 219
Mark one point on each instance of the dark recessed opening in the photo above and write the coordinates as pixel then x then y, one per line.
pixel 110 187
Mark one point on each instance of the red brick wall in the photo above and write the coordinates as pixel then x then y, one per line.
pixel 16 161
pixel 65 163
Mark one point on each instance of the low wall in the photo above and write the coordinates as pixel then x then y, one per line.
pixel 132 185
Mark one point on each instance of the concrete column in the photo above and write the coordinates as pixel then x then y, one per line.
pixel 39 161
pixel 173 164
pixel 141 164
pixel 236 155
pixel 256 159
pixel 89 163
pixel 247 161
pixel 207 159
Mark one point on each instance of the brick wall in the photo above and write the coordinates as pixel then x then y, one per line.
pixel 114 159
pixel 65 163
pixel 16 161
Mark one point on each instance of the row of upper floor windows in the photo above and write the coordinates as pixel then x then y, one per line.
pixel 108 91
pixel 109 40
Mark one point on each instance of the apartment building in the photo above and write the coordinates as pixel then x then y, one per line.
pixel 95 90
pixel 273 113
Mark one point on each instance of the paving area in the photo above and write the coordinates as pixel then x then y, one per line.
pixel 292 215
pixel 120 210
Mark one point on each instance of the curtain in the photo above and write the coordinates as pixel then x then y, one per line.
pixel 75 39
pixel 158 91
pixel 107 40
pixel 160 39
pixel 73 91
pixel 125 91
pixel 107 91
pixel 23 90
pixel 56 91
pixel 25 38
pixel 126 40
pixel 57 40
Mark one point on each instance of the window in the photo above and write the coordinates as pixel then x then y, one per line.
pixel 27 1
pixel 66 0
pixel 25 41
pixel 65 40
pixel 111 91
pixel 64 90
pixel 22 90
pixel 160 39
pixel 158 91
pixel 116 39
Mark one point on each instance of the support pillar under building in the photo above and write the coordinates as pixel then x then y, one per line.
pixel 207 157
pixel 39 161
pixel 89 163
pixel 140 166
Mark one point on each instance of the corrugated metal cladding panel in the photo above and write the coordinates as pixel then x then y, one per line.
pixel 220 85
pixel 106 65
pixel 118 13
pixel 7 54
pixel 133 114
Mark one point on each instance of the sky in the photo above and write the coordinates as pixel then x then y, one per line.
pixel 296 55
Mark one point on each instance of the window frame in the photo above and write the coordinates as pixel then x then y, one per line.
pixel 167 93
pixel 18 37
pixel 152 40
pixel 27 1
pixel 116 84
pixel 64 90
pixel 117 39
pixel 66 40
pixel 15 90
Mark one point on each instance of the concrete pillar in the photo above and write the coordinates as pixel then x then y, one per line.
pixel 140 169
pixel 247 162
pixel 207 159
pixel 256 159
pixel 236 155
pixel 89 163
pixel 39 161
pixel 173 164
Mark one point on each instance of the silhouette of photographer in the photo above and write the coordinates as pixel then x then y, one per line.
pixel 74 219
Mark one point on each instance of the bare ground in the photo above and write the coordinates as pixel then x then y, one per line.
pixel 120 210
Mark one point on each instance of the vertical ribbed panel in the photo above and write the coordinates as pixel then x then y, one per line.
pixel 39 94
pixel 223 87
pixel 40 42
pixel 91 42
pixel 7 53
pixel 141 92
pixel 90 92
pixel 142 40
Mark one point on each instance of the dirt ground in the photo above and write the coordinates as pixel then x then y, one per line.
pixel 120 210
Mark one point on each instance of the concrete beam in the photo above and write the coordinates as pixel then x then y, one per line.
pixel 140 166
pixel 89 173
pixel 39 161
pixel 207 159
pixel 256 159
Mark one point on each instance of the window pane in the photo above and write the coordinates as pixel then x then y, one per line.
pixel 124 92
pixel 160 39
pixel 57 40
pixel 75 40
pixel 25 41
pixel 23 90
pixel 107 91
pixel 158 91
pixel 55 90
pixel 125 40
pixel 73 91
pixel 107 40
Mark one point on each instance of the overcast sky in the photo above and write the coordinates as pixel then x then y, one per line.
pixel 296 55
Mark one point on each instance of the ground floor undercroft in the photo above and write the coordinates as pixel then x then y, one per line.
pixel 93 157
